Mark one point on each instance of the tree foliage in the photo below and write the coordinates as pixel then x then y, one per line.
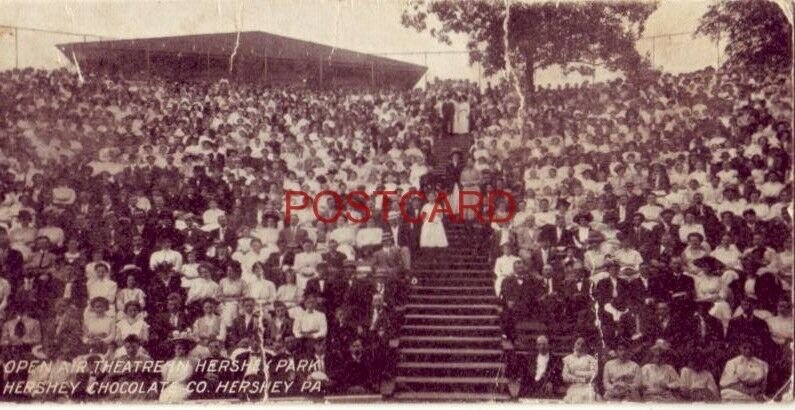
pixel 756 33
pixel 578 36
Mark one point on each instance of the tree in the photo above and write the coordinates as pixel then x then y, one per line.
pixel 578 36
pixel 758 33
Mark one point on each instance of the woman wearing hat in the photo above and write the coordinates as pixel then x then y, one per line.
pixel 658 379
pixel 99 327
pixel 178 371
pixel 711 289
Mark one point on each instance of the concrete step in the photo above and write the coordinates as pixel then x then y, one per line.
pixel 443 291
pixel 446 384
pixel 450 397
pixel 450 369
pixel 443 330
pixel 451 341
pixel 453 320
pixel 451 309
pixel 454 298
pixel 447 355
pixel 455 281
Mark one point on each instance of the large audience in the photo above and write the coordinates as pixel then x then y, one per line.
pixel 145 220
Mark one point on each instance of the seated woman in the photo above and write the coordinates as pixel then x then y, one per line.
pixel 231 289
pixel 288 294
pixel 621 376
pixel 201 288
pixel 102 286
pixel 696 249
pixel 260 289
pixel 696 382
pixel 99 327
pixel 132 323
pixel 658 379
pixel 744 378
pixel 579 371
pixel 131 293
pixel 711 288
pixel 207 327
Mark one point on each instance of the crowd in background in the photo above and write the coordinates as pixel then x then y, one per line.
pixel 145 220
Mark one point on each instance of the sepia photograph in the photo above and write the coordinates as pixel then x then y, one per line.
pixel 533 202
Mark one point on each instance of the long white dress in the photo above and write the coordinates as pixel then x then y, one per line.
pixel 461 118
pixel 579 371
pixel 432 234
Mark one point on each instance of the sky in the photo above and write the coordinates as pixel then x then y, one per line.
pixel 371 26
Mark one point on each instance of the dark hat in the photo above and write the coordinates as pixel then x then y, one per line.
pixel 709 264
pixel 586 216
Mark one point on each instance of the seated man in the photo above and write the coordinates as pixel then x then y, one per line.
pixel 20 332
pixel 245 324
pixel 503 266
pixel 541 377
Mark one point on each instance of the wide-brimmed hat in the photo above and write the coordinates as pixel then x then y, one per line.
pixel 185 337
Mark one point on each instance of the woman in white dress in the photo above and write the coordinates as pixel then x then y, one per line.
pixel 288 294
pixel 744 378
pixel 260 289
pixel 231 290
pixel 461 116
pixel 579 371
pixel 432 233
pixel 658 380
pixel 178 371
pixel 711 289
pixel 132 323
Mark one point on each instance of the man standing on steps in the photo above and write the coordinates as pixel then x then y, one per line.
pixel 519 291
pixel 448 109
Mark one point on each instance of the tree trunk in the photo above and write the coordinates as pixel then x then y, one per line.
pixel 529 74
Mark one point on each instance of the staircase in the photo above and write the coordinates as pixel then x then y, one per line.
pixel 443 148
pixel 450 346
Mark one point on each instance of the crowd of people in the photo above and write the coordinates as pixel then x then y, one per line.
pixel 656 222
pixel 145 220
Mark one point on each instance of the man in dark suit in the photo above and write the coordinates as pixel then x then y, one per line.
pixel 665 226
pixel 11 261
pixel 519 294
pixel 330 286
pixel 638 236
pixel 648 287
pixel 541 377
pixel 160 289
pixel 291 239
pixel 557 235
pixel 448 112
pixel 360 295
pixel 749 327
pixel 388 259
pixel 611 287
pixel 163 323
pixel 332 257
pixel 244 325
pixel 135 255
pixel 678 287
pixel 662 251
